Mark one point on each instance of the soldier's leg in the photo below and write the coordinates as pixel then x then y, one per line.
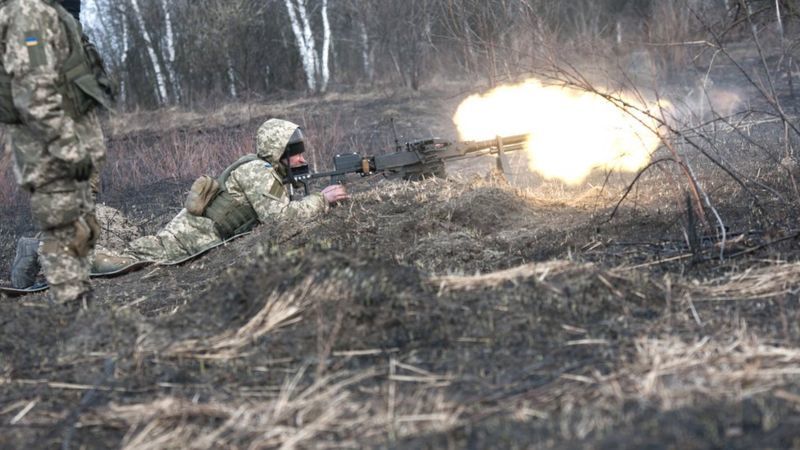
pixel 69 229
pixel 66 270
pixel 183 236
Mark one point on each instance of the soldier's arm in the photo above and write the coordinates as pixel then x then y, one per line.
pixel 268 196
pixel 36 45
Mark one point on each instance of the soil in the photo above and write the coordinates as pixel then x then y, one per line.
pixel 466 312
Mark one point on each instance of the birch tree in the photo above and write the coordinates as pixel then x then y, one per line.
pixel 161 84
pixel 325 72
pixel 315 64
pixel 169 44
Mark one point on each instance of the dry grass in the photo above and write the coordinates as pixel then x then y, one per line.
pixel 666 373
pixel 280 310
pixel 316 416
pixel 294 418
pixel 753 283
pixel 140 161
pixel 674 373
pixel 539 271
pixel 227 115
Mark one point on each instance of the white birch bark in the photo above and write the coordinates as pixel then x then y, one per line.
pixel 161 85
pixel 231 78
pixel 169 43
pixel 365 55
pixel 780 20
pixel 307 55
pixel 308 37
pixel 326 48
pixel 123 85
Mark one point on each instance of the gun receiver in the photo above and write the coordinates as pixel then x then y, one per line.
pixel 417 160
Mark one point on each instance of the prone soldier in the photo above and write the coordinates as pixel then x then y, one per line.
pixel 250 191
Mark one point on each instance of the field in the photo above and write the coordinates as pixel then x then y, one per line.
pixel 475 311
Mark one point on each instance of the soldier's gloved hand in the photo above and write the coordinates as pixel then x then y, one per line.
pixel 335 193
pixel 82 170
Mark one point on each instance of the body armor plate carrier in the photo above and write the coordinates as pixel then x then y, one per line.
pixel 231 217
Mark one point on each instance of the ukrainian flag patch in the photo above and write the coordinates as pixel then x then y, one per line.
pixel 36 52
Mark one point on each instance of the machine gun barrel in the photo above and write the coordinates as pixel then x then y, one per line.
pixel 415 160
pixel 512 142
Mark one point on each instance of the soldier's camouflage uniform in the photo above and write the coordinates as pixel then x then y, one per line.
pixel 257 183
pixel 34 43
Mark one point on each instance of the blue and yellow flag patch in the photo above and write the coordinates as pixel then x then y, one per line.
pixel 36 52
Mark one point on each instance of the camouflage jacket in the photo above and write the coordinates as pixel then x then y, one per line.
pixel 33 46
pixel 260 184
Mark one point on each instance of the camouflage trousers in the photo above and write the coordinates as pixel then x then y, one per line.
pixel 183 236
pixel 64 213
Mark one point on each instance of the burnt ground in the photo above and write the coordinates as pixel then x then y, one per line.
pixel 465 312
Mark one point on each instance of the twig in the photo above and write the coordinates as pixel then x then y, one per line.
pixel 764 245
pixel 630 187
pixel 20 415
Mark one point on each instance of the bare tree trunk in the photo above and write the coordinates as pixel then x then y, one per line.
pixel 365 53
pixel 231 77
pixel 326 47
pixel 302 37
pixel 161 85
pixel 123 91
pixel 169 41
pixel 469 56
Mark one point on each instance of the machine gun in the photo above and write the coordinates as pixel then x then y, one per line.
pixel 415 160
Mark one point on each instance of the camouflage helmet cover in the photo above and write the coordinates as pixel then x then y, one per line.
pixel 272 137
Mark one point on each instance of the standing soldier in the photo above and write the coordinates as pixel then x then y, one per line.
pixel 51 80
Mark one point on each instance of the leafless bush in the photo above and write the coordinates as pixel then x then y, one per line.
pixel 178 155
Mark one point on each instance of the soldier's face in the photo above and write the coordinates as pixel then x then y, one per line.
pixel 297 160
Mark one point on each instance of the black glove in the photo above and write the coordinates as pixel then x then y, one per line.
pixel 82 169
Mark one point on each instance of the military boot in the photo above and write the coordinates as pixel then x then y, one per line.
pixel 109 262
pixel 26 263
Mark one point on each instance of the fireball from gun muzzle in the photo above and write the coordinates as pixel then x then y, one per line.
pixel 570 132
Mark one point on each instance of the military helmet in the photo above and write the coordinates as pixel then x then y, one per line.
pixel 275 136
pixel 296 144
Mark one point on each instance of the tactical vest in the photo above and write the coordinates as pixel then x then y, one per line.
pixel 82 82
pixel 231 217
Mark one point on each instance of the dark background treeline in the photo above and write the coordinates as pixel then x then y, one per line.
pixel 199 52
